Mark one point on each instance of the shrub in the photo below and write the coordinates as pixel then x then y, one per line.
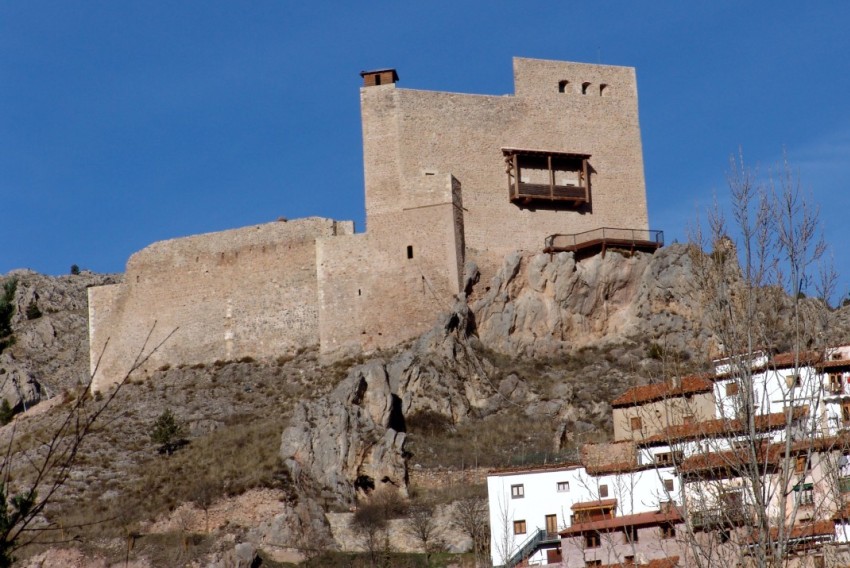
pixel 6 412
pixel 166 432
pixel 32 311
pixel 75 270
pixel 7 310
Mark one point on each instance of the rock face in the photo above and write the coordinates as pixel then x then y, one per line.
pixel 50 352
pixel 352 442
pixel 548 305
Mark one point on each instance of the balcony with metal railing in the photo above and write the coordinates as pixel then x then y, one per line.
pixel 600 240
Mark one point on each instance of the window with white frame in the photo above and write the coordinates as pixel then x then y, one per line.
pixel 563 486
pixel 517 491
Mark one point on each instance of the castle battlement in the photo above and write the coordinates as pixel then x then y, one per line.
pixel 449 178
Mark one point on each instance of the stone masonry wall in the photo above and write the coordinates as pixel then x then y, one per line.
pixel 248 292
pixel 436 196
pixel 407 133
pixel 382 288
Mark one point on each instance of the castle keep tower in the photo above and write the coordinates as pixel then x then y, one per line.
pixel 449 178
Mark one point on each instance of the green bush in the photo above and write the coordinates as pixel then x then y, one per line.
pixel 6 412
pixel 166 432
pixel 75 270
pixel 7 310
pixel 32 311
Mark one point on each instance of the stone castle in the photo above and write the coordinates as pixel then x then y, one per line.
pixel 449 178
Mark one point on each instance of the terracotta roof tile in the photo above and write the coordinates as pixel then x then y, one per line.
pixel 807 530
pixel 611 523
pixel 669 562
pixel 767 454
pixel 599 504
pixel 692 384
pixel 720 427
pixel 566 466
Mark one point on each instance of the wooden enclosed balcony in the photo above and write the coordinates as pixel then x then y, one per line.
pixel 554 178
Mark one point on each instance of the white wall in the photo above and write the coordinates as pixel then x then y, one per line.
pixel 636 492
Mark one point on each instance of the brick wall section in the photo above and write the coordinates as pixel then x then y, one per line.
pixel 248 292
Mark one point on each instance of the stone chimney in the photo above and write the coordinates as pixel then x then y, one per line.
pixel 379 77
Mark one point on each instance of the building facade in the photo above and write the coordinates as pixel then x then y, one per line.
pixel 694 478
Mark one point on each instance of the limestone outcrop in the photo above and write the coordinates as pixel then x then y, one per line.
pixel 50 350
pixel 548 305
pixel 354 440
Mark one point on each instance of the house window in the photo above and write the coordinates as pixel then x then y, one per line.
pixel 517 491
pixel 800 464
pixel 845 411
pixel 563 486
pixel 562 86
pixel 603 491
pixel 667 458
pixel 835 383
pixel 636 423
pixel 409 251
pixel 593 563
pixel 591 540
pixel 629 559
pixel 519 527
pixel 584 87
pixel 669 485
pixel 844 485
pixel 668 531
pixel 793 380
pixel 731 389
pixel 806 493
pixel 631 534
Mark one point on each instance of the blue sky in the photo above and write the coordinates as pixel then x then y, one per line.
pixel 124 123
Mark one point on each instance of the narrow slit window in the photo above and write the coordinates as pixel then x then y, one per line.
pixel 409 251
pixel 584 88
pixel 562 86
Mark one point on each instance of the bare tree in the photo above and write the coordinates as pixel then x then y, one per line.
pixel 471 518
pixel 747 475
pixel 422 526
pixel 21 513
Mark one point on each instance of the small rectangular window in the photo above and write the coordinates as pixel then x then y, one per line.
pixel 517 491
pixel 593 563
pixel 793 380
pixel 519 527
pixel 591 540
pixel 669 485
pixel 636 423
pixel 603 491
pixel 563 486
pixel 731 389
pixel 668 531
pixel 631 534
pixel 409 251
pixel 800 464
